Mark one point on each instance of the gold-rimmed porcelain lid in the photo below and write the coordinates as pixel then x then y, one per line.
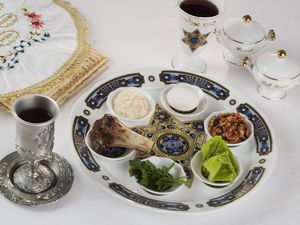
pixel 278 65
pixel 244 30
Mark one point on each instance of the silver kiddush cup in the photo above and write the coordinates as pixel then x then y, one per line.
pixel 35 116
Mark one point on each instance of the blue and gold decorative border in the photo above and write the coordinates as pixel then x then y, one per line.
pixel 120 189
pixel 248 183
pixel 80 128
pixel 99 95
pixel 210 87
pixel 261 130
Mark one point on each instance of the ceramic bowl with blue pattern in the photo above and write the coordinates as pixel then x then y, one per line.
pixel 113 153
pixel 196 165
pixel 247 121
pixel 185 116
pixel 131 122
pixel 176 171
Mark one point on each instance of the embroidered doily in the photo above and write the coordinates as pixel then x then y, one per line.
pixel 43 49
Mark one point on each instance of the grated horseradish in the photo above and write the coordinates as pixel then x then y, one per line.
pixel 131 104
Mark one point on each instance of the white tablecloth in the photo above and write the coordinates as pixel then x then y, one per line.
pixel 142 33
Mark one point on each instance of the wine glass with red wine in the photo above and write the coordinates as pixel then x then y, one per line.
pixel 35 116
pixel 197 19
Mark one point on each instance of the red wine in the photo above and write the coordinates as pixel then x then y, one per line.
pixel 199 8
pixel 35 115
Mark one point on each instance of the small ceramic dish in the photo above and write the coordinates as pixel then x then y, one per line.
pixel 112 154
pixel 195 101
pixel 196 165
pixel 243 37
pixel 131 122
pixel 247 121
pixel 275 73
pixel 176 171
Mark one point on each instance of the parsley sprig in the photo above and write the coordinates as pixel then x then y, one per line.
pixel 156 179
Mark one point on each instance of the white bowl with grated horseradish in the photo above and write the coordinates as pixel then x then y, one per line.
pixel 132 106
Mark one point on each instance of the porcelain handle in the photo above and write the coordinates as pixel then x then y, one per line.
pixel 217 34
pixel 271 35
pixel 246 62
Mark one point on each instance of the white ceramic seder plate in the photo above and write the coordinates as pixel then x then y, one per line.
pixel 257 157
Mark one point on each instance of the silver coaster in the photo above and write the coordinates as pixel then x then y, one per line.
pixel 12 189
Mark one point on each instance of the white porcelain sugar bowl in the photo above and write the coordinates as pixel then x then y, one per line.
pixel 275 73
pixel 242 37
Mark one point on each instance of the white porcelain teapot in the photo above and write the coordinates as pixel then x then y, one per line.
pixel 275 73
pixel 242 37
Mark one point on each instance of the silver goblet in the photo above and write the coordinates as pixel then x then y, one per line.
pixel 35 116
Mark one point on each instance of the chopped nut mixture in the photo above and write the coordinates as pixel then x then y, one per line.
pixel 231 126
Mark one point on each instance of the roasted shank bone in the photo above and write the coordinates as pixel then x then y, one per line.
pixel 110 132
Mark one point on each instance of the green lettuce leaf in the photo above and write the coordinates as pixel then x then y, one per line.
pixel 219 164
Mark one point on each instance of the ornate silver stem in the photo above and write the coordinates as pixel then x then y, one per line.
pixel 34 141
pixel 33 168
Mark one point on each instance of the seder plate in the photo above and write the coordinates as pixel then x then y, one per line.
pixel 257 157
pixel 61 184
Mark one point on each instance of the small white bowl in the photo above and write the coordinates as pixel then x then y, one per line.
pixel 247 121
pixel 196 165
pixel 201 105
pixel 176 171
pixel 127 154
pixel 132 122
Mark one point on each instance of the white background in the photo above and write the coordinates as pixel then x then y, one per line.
pixel 142 33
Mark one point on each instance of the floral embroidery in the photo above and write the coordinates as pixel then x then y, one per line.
pixel 37 24
pixel 32 15
pixel 11 58
pixel 36 34
pixel 34 18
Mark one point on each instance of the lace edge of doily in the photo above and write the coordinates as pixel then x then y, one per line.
pixel 73 74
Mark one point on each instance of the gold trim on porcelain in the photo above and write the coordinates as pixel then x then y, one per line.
pixel 281 53
pixel 279 86
pixel 233 63
pixel 240 42
pixel 247 19
pixel 246 51
pixel 272 78
pixel 272 35
pixel 72 75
